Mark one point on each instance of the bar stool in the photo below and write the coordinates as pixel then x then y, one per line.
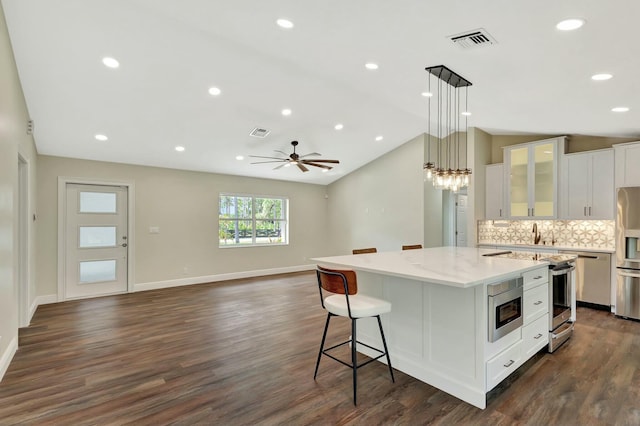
pixel 412 247
pixel 345 302
pixel 364 250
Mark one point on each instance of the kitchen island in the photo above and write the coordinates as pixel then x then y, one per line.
pixel 438 328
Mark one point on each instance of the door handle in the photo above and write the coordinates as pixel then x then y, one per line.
pixel 124 244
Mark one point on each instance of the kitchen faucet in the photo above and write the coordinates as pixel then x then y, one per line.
pixel 536 234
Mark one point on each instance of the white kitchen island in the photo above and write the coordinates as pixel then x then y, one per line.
pixel 437 330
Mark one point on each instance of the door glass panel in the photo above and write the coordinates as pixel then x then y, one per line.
pixel 97 271
pixel 97 236
pixel 543 159
pixel 519 195
pixel 97 202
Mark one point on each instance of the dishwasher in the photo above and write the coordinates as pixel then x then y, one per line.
pixel 593 279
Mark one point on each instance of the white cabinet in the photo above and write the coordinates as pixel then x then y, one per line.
pixel 627 160
pixel 494 192
pixel 587 189
pixel 535 312
pixel 532 184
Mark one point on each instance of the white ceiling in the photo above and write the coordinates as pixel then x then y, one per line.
pixel 536 79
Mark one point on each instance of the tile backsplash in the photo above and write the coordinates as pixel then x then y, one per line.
pixel 594 234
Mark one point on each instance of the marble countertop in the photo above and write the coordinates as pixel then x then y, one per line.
pixel 453 266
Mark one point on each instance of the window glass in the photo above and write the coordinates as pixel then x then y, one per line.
pixel 251 220
pixel 97 271
pixel 97 236
pixel 97 202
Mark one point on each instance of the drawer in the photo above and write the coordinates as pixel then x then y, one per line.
pixel 536 303
pixel 535 336
pixel 535 277
pixel 503 364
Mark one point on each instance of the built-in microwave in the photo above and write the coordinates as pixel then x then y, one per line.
pixel 505 307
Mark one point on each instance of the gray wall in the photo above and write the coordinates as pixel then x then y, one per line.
pixel 381 204
pixel 14 141
pixel 184 205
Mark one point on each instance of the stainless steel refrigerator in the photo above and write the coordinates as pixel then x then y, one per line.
pixel 628 253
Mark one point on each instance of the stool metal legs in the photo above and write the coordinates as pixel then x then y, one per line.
pixel 353 341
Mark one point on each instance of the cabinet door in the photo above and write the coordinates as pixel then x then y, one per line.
pixel 543 190
pixel 627 160
pixel 519 182
pixel 494 192
pixel 602 201
pixel 578 190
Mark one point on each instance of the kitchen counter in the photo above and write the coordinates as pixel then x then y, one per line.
pixel 438 327
pixel 452 266
pixel 546 247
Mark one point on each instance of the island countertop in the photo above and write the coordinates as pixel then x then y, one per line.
pixel 453 266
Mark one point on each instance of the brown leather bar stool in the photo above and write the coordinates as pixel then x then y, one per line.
pixel 364 250
pixel 412 247
pixel 345 302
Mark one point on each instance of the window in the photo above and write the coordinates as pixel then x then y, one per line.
pixel 246 220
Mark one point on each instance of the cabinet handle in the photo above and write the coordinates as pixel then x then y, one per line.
pixel 537 277
pixel 538 336
pixel 585 210
pixel 509 364
pixel 500 212
pixel 539 302
pixel 589 210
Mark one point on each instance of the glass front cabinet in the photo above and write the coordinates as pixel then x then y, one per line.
pixel 532 184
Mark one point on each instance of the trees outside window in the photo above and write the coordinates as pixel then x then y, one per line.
pixel 246 220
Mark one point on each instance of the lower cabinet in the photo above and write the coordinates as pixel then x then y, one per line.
pixel 535 336
pixel 503 364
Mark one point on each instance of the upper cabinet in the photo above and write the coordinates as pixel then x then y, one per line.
pixel 627 161
pixel 587 188
pixel 532 184
pixel 494 192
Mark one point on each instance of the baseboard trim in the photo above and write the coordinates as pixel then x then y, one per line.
pixel 41 300
pixel 7 356
pixel 220 277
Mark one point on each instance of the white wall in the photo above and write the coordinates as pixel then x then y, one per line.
pixel 184 205
pixel 381 204
pixel 479 155
pixel 13 141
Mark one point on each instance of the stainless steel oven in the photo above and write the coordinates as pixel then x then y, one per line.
pixel 505 307
pixel 560 300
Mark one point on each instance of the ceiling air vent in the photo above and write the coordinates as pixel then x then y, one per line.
pixel 259 132
pixel 473 39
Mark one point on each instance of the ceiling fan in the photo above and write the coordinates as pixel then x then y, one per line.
pixel 299 160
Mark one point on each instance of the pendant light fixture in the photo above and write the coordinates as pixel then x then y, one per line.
pixel 447 166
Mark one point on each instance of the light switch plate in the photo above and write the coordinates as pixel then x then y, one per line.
pixel 154 229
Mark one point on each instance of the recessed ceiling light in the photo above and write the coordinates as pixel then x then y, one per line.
pixel 287 165
pixel 286 112
pixel 338 126
pixel 600 77
pixel 465 113
pixel 570 24
pixel 180 148
pixel 379 138
pixel 620 109
pixel 110 62
pixel 427 94
pixel 101 138
pixel 239 157
pixel 371 66
pixel 214 91
pixel 284 23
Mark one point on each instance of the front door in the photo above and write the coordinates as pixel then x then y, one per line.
pixel 95 240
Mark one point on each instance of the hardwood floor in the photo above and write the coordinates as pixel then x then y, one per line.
pixel 243 353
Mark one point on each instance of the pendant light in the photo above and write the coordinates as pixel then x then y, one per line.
pixel 447 167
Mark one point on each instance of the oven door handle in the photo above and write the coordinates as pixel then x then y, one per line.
pixel 568 328
pixel 628 274
pixel 563 271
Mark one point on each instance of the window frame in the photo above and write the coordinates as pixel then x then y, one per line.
pixel 254 243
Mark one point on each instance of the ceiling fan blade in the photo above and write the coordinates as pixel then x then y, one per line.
pixel 281 152
pixel 302 167
pixel 273 161
pixel 311 163
pixel 311 154
pixel 273 158
pixel 280 166
pixel 324 161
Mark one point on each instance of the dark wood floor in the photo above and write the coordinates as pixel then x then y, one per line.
pixel 243 353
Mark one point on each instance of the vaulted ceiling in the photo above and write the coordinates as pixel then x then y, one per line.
pixel 534 78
